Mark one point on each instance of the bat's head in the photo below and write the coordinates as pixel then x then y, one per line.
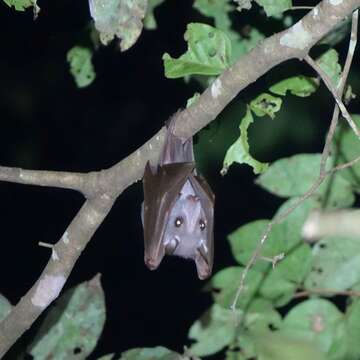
pixel 186 232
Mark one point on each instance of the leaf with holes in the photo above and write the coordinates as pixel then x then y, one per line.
pixel 319 322
pixel 336 264
pixel 239 150
pixel 118 18
pixel 220 11
pixel 297 85
pixel 74 325
pixel 155 353
pixel 209 53
pixel 224 285
pixel 81 67
pixel 266 104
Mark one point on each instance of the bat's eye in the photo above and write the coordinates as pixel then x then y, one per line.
pixel 202 225
pixel 178 221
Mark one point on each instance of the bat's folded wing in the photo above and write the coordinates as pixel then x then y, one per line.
pixel 205 257
pixel 161 189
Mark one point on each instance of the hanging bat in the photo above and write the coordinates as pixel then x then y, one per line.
pixel 178 208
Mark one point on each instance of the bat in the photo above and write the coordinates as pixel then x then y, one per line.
pixel 178 207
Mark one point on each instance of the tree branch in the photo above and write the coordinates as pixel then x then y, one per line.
pixel 64 256
pixel 322 173
pixel 104 186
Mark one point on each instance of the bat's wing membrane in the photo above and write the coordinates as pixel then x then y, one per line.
pixel 161 190
pixel 204 259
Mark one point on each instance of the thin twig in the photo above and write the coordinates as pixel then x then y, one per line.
pixel 301 8
pixel 323 173
pixel 332 89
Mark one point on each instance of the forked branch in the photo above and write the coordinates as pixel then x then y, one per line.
pixel 101 188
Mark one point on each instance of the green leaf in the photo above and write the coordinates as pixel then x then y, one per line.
pixel 336 263
pixel 235 355
pixel 209 53
pixel 5 307
pixel 149 20
pixel 106 357
pixel 193 99
pixel 22 5
pixel 329 62
pixel 281 283
pixel 245 239
pixel 73 325
pixel 219 10
pixel 348 149
pixel 320 322
pixel 81 67
pixel 292 225
pixel 261 315
pixel 295 175
pixel 239 150
pixel 120 18
pixel 275 7
pixel 266 104
pixel 297 85
pixel 225 283
pixel 352 324
pixel 155 353
pixel 279 346
pixel 213 331
pixel 242 45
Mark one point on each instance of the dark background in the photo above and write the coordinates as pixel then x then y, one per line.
pixel 48 123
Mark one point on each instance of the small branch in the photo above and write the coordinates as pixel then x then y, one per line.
pixel 104 186
pixel 65 253
pixel 323 173
pixel 274 260
pixel 335 94
pixel 301 8
pixel 326 292
pixel 65 180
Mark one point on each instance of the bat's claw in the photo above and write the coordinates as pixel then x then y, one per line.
pixel 151 263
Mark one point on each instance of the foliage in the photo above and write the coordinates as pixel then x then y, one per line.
pixel 73 325
pixel 81 67
pixel 118 18
pixel 22 5
pixel 266 324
